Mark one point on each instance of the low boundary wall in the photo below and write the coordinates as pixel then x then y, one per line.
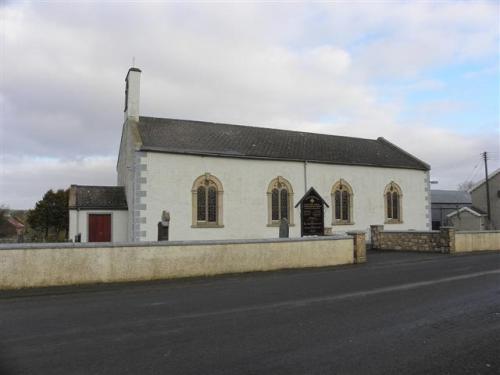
pixel 441 241
pixel 445 240
pixel 39 265
pixel 477 241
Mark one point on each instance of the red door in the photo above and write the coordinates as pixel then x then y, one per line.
pixel 99 227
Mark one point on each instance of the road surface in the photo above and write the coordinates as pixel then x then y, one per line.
pixel 401 313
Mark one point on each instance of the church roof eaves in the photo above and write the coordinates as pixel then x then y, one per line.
pixel 226 140
pixel 85 197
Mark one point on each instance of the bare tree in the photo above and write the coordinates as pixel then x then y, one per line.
pixel 465 186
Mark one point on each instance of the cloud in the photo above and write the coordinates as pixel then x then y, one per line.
pixel 25 180
pixel 405 38
pixel 325 68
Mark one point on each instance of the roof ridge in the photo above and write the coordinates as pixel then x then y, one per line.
pixel 482 181
pixel 256 127
pixel 99 186
pixel 229 140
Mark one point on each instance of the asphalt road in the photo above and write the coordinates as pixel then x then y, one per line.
pixel 398 314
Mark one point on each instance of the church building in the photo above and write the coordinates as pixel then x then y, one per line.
pixel 194 180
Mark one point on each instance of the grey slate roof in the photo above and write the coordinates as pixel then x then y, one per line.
pixel 478 210
pixel 215 139
pixel 450 196
pixel 491 176
pixel 97 197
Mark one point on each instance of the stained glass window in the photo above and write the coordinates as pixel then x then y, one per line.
pixel 279 198
pixel 392 203
pixel 345 206
pixel 275 203
pixel 395 205
pixel 212 204
pixel 337 205
pixel 202 204
pixel 342 202
pixel 389 205
pixel 284 204
pixel 207 198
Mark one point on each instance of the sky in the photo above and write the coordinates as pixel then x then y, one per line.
pixel 424 75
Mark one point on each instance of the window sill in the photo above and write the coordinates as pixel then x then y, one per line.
pixel 393 221
pixel 202 225
pixel 278 224
pixel 343 223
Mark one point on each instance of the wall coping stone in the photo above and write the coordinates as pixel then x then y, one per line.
pixel 412 231
pixel 92 245
pixel 477 231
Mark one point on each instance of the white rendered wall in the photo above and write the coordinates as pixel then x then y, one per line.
pixel 127 169
pixel 170 179
pixel 78 223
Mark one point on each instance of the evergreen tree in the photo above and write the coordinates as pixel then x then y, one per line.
pixel 50 215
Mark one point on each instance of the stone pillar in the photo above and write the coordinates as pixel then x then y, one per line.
pixel 375 235
pixel 447 239
pixel 359 246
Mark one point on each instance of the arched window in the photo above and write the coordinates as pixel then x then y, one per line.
pixel 279 201
pixel 342 203
pixel 392 199
pixel 207 201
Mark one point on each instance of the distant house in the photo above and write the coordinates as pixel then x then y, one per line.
pixel 11 228
pixel 444 202
pixel 478 194
pixel 476 216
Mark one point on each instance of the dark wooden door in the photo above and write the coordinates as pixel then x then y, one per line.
pixel 99 227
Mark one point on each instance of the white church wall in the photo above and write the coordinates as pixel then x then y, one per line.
pixel 170 179
pixel 368 185
pixel 128 172
pixel 78 223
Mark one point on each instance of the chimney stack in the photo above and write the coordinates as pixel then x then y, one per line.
pixel 132 94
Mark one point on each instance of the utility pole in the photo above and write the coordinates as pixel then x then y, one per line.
pixel 485 158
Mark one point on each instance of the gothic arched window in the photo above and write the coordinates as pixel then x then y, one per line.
pixel 392 198
pixel 280 201
pixel 342 203
pixel 207 201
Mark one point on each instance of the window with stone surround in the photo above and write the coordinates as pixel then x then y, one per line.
pixel 392 198
pixel 342 198
pixel 279 201
pixel 207 202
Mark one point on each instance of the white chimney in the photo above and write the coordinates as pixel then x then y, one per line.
pixel 132 94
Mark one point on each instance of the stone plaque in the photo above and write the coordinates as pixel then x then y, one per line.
pixel 284 228
pixel 162 232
